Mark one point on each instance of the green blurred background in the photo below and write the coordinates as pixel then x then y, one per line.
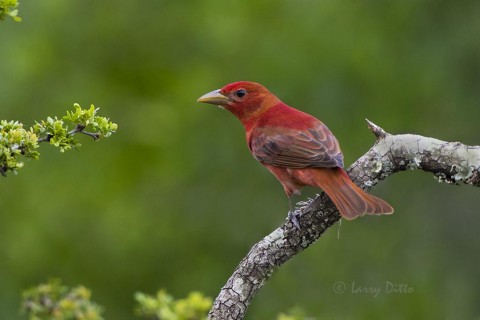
pixel 174 200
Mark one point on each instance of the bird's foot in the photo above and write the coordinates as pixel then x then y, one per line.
pixel 292 217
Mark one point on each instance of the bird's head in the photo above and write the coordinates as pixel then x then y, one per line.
pixel 246 100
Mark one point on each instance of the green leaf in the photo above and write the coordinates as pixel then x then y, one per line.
pixel 8 8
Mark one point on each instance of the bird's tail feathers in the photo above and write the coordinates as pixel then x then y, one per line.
pixel 350 200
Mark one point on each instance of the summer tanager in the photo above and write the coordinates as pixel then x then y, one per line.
pixel 295 146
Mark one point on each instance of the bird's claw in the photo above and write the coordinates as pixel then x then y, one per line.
pixel 292 217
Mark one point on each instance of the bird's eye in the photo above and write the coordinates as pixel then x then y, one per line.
pixel 240 93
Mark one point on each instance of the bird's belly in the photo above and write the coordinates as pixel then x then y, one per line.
pixel 293 180
pixel 302 177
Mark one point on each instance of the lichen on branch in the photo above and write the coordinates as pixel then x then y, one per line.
pixel 17 142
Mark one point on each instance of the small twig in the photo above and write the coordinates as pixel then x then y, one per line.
pixel 47 138
pixel 94 135
pixel 377 131
pixel 80 129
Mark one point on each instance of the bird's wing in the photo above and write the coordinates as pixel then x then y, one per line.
pixel 314 147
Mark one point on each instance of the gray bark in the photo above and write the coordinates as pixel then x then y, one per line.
pixel 450 162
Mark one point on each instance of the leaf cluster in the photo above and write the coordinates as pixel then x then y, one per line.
pixel 15 141
pixel 54 301
pixel 87 118
pixel 8 8
pixel 163 306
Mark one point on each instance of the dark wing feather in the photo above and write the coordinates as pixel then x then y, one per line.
pixel 316 147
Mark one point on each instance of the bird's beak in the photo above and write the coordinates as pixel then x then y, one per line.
pixel 214 97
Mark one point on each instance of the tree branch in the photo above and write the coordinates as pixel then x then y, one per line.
pixel 450 162
pixel 79 128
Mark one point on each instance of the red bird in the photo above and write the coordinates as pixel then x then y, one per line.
pixel 295 146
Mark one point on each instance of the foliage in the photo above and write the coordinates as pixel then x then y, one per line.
pixel 54 301
pixel 8 8
pixel 178 200
pixel 16 141
pixel 163 306
pixel 293 314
